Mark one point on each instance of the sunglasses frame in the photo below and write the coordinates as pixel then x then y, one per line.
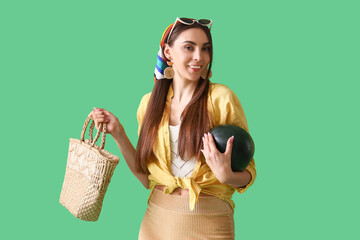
pixel 193 21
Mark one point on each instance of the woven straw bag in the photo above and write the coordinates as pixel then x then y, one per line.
pixel 88 173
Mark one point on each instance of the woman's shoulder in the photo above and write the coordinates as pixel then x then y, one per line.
pixel 145 99
pixel 219 90
pixel 143 104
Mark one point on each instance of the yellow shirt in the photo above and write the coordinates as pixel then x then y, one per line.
pixel 225 108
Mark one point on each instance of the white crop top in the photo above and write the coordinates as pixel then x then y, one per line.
pixel 179 167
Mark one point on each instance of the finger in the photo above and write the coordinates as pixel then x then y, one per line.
pixel 99 118
pixel 99 114
pixel 206 143
pixel 102 110
pixel 94 113
pixel 206 156
pixel 202 150
pixel 229 145
pixel 107 113
pixel 212 145
pixel 104 119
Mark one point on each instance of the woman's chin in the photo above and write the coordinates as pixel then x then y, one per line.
pixel 194 76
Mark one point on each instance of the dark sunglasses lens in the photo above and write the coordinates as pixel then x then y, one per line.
pixel 204 21
pixel 187 20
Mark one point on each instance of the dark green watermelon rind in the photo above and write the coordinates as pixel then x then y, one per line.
pixel 244 149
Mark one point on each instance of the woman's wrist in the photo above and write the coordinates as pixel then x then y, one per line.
pixel 238 179
pixel 118 134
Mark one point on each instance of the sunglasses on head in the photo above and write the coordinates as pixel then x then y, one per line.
pixel 189 21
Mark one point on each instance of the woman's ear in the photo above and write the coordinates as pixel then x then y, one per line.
pixel 167 51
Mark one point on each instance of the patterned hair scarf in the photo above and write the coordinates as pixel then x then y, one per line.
pixel 161 64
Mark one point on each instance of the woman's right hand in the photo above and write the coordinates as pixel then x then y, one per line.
pixel 113 125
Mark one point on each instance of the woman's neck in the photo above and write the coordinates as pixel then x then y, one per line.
pixel 183 90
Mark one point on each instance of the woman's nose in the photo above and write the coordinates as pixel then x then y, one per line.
pixel 197 55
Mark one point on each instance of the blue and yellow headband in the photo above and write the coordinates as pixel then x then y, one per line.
pixel 161 63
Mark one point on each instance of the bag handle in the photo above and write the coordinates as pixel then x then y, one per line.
pixel 101 126
pixel 92 129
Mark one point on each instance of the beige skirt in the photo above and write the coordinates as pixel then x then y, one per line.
pixel 169 217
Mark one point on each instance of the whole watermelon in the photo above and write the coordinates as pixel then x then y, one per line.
pixel 243 145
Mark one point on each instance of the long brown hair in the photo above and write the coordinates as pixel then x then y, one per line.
pixel 194 118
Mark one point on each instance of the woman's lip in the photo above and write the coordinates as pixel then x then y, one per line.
pixel 195 69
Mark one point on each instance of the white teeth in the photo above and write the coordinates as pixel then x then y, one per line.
pixel 194 66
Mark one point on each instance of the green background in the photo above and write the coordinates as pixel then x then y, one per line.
pixel 293 64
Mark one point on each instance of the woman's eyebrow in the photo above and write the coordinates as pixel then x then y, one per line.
pixel 191 42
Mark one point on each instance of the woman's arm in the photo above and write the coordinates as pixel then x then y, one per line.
pixel 238 179
pixel 228 110
pixel 115 128
pixel 129 153
pixel 220 163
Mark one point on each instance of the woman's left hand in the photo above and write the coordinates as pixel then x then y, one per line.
pixel 219 163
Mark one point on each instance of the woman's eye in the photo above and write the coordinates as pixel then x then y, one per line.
pixel 206 48
pixel 188 47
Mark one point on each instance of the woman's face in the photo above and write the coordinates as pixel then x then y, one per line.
pixel 190 54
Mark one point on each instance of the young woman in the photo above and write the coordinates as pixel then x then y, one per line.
pixel 191 182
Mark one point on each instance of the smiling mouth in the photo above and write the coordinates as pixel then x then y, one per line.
pixel 194 68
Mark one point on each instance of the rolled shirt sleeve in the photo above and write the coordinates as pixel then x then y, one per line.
pixel 228 110
pixel 142 110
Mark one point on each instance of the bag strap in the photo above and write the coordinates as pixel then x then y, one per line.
pixel 91 130
pixel 102 126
